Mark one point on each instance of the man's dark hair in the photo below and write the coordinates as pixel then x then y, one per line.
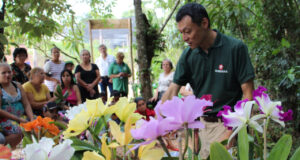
pixel 18 51
pixel 196 11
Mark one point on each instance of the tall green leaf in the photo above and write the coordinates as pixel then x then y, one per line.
pixel 80 145
pixel 296 155
pixel 218 151
pixel 243 144
pixel 282 148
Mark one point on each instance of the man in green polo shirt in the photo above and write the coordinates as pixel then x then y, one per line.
pixel 213 64
pixel 119 73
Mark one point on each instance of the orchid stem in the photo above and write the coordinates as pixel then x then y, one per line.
pixel 193 144
pixel 180 146
pixel 95 136
pixel 266 122
pixel 104 121
pixel 124 153
pixel 186 139
pixel 162 143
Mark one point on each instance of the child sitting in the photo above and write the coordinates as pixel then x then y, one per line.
pixel 141 108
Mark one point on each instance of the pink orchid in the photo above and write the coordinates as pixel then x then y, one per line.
pixel 269 108
pixel 184 112
pixel 151 130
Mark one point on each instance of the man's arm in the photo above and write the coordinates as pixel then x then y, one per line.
pixel 171 92
pixel 248 88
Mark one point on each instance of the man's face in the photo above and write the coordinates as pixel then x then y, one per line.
pixel 193 34
pixel 102 50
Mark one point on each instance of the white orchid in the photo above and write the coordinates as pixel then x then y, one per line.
pixel 44 150
pixel 72 112
pixel 269 108
pixel 240 117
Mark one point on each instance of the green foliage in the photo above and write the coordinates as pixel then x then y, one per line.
pixel 218 151
pixel 60 96
pixel 296 155
pixel 80 145
pixel 282 148
pixel 243 144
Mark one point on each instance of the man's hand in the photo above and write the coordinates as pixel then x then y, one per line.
pixel 225 136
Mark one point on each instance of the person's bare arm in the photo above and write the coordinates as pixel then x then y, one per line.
pixel 34 104
pixel 52 79
pixel 115 75
pixel 80 81
pixel 96 81
pixel 155 96
pixel 26 104
pixel 5 114
pixel 248 88
pixel 171 92
pixel 77 94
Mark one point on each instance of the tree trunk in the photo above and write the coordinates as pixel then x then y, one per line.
pixel 144 53
pixel 2 13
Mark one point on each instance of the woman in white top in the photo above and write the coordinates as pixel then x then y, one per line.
pixel 53 69
pixel 165 79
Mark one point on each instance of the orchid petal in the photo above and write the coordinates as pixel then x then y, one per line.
pixel 235 132
pixel 104 148
pixel 196 124
pixel 63 151
pixel 256 126
pixel 88 155
pixel 257 117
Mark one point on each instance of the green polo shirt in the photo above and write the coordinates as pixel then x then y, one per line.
pixel 219 73
pixel 120 83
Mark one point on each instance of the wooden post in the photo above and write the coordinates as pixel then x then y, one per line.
pixel 130 44
pixel 91 40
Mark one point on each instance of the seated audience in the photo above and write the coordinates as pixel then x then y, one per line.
pixel 37 93
pixel 141 108
pixel 68 84
pixel 13 106
pixel 19 68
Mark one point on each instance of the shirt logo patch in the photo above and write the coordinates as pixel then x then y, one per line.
pixel 221 69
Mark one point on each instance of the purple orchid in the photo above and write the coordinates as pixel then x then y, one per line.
pixel 240 117
pixel 184 111
pixel 269 108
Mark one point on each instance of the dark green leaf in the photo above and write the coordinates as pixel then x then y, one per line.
pixel 26 27
pixel 285 43
pixel 296 155
pixel 218 151
pixel 276 51
pixel 99 126
pixel 243 144
pixel 3 39
pixel 282 148
pixel 80 145
pixel 3 24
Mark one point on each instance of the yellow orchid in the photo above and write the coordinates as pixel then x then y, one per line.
pixel 78 124
pixel 96 107
pixel 124 110
pixel 88 155
pixel 147 152
pixel 123 138
pixel 104 148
